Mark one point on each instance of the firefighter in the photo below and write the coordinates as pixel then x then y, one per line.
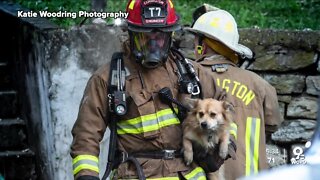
pixel 217 48
pixel 149 131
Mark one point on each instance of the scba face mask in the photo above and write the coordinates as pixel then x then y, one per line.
pixel 151 48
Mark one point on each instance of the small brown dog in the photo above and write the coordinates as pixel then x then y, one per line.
pixel 207 124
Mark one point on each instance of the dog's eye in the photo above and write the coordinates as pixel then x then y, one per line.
pixel 212 115
pixel 201 114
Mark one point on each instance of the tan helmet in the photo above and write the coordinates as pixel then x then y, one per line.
pixel 221 26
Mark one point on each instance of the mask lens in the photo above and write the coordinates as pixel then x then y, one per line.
pixel 152 40
pixel 153 45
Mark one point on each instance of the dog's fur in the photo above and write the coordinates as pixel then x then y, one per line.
pixel 207 124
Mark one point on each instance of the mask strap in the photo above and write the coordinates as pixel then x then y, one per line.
pixel 136 41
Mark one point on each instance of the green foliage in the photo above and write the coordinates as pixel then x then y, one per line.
pixel 276 14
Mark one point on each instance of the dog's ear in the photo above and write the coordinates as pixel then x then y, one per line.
pixel 228 106
pixel 189 102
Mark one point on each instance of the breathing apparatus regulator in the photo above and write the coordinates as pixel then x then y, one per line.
pixel 150 25
pixel 188 79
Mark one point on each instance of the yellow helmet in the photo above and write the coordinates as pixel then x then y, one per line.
pixel 220 25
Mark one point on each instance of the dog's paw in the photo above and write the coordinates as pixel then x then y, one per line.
pixel 223 152
pixel 223 149
pixel 188 157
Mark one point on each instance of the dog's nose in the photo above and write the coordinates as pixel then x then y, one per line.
pixel 204 125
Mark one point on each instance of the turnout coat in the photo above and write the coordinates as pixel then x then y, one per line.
pixel 257 113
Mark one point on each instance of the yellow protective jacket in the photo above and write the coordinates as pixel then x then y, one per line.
pixel 257 112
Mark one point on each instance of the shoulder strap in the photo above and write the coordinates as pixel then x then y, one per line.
pixel 116 79
pixel 114 84
pixel 116 99
pixel 116 87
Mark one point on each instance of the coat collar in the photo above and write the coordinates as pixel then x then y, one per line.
pixel 214 59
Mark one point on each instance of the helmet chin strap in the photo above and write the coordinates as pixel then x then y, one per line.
pixel 138 55
pixel 201 47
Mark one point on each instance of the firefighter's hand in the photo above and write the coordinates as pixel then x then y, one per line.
pixel 212 161
pixel 87 177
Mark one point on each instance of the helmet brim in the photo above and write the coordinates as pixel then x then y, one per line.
pixel 239 48
pixel 136 28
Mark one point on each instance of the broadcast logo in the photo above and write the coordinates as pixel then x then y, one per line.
pixel 298 154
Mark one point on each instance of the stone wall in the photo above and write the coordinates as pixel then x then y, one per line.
pixel 289 60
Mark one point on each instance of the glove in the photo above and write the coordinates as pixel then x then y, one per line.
pixel 88 177
pixel 211 161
